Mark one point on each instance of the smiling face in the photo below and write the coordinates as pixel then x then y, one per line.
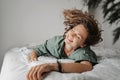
pixel 76 36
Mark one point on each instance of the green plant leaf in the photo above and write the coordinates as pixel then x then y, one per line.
pixel 116 34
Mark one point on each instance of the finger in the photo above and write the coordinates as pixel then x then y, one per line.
pixel 34 59
pixel 29 74
pixel 30 59
pixel 44 74
pixel 39 73
pixel 41 78
pixel 35 73
pixel 42 69
pixel 37 58
pixel 32 73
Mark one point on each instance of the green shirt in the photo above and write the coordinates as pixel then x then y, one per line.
pixel 55 47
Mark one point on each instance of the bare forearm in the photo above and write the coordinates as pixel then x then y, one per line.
pixel 73 67
pixel 37 72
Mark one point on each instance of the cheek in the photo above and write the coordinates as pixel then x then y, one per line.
pixel 66 33
pixel 78 42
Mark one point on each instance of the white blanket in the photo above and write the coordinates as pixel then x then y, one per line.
pixel 16 65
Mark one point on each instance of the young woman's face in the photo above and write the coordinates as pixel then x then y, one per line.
pixel 76 36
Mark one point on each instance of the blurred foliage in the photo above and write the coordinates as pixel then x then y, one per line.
pixel 111 11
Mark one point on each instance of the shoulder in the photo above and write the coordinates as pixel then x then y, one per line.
pixel 85 53
pixel 88 51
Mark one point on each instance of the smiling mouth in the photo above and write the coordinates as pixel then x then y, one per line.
pixel 69 40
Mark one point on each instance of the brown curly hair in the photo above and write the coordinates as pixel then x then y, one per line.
pixel 75 17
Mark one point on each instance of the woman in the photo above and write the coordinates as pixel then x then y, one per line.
pixel 82 32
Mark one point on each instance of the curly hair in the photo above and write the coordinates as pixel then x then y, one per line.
pixel 75 17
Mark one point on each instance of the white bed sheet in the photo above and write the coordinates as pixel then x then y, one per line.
pixel 16 65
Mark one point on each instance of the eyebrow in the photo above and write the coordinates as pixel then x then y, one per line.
pixel 78 33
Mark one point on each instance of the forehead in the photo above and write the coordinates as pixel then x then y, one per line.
pixel 81 30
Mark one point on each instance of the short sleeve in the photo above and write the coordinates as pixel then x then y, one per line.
pixel 45 48
pixel 41 49
pixel 50 47
pixel 84 55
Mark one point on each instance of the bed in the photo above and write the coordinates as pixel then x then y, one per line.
pixel 16 65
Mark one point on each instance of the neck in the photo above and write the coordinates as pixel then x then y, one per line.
pixel 68 50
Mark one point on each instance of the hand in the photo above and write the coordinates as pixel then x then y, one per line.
pixel 33 56
pixel 37 72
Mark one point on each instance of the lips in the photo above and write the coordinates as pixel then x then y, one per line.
pixel 70 40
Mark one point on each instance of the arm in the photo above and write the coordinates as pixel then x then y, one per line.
pixel 76 67
pixel 37 72
pixel 38 51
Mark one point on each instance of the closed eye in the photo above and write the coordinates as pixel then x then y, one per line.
pixel 77 34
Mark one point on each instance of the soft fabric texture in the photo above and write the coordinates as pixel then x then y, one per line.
pixel 16 65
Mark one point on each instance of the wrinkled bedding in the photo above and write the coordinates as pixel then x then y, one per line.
pixel 16 65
